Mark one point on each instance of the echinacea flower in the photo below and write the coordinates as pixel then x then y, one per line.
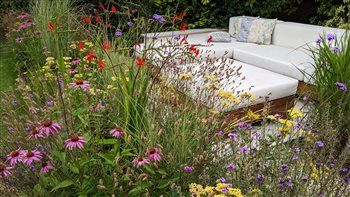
pixel 76 61
pixel 5 170
pixel 46 167
pixel 154 154
pixel 75 142
pixel 19 40
pixel 48 127
pixel 28 156
pixel 159 18
pixel 36 134
pixel 80 84
pixel 341 86
pixel 23 15
pixel 14 157
pixel 72 71
pixel 117 132
pixel 139 161
pixel 188 169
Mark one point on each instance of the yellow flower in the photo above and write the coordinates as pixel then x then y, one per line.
pixel 209 189
pixel 233 99
pixel 50 60
pixel 284 130
pixel 271 117
pixel 78 75
pixel 73 46
pixel 114 78
pixel 225 94
pixel 288 123
pixel 214 111
pixel 295 113
pixel 225 103
pixel 246 95
pixel 196 189
pixel 212 78
pixel 89 44
pixel 219 195
pixel 252 116
pixel 185 76
pixel 67 58
pixel 235 192
pixel 255 192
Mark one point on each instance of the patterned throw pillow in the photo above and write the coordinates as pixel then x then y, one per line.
pixel 220 36
pixel 256 30
pixel 237 23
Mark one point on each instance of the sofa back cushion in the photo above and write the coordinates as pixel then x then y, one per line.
pixel 235 24
pixel 297 35
pixel 256 30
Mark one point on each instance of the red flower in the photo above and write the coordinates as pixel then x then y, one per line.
pixel 183 26
pixel 139 62
pixel 184 39
pixel 81 45
pixel 114 9
pixel 109 25
pixel 175 17
pixel 101 64
pixel 98 19
pixel 182 15
pixel 100 5
pixel 50 26
pixel 87 19
pixel 210 40
pixel 106 45
pixel 90 56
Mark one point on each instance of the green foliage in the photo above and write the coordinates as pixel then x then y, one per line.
pixel 333 13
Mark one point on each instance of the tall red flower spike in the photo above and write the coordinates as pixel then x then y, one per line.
pixel 106 45
pixel 183 26
pixel 86 19
pixel 182 15
pixel 98 19
pixel 90 56
pixel 50 26
pixel 184 39
pixel 100 5
pixel 81 45
pixel 139 62
pixel 101 64
pixel 114 9
pixel 175 17
pixel 210 40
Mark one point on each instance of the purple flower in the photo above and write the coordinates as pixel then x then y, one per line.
pixel 331 164
pixel 159 18
pixel 177 37
pixel 222 180
pixel 295 157
pixel 154 37
pixel 341 86
pixel 336 49
pixel 318 164
pixel 304 178
pixel 259 178
pixel 224 190
pixel 345 170
pixel 284 168
pixel 277 116
pixel 221 132
pixel 267 165
pixel 130 24
pixel 241 125
pixel 297 124
pixel 76 61
pixel 320 144
pixel 50 102
pixel 14 103
pixel 118 33
pixel 321 195
pixel 330 37
pixel 256 135
pixel 233 135
pixel 305 98
pixel 188 169
pixel 347 179
pixel 318 40
pixel 244 149
pixel 19 40
pixel 297 150
pixel 230 167
pixel 284 183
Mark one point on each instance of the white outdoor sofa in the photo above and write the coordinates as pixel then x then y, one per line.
pixel 274 70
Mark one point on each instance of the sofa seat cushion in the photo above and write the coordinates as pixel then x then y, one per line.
pixel 232 76
pixel 282 60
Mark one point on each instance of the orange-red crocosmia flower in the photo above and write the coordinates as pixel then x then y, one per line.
pixel 90 56
pixel 183 26
pixel 175 17
pixel 50 26
pixel 57 24
pixel 184 39
pixel 98 19
pixel 106 45
pixel 100 5
pixel 86 19
pixel 210 40
pixel 101 64
pixel 114 9
pixel 139 62
pixel 81 45
pixel 182 15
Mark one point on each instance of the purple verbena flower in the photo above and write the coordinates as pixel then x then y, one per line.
pixel 233 135
pixel 320 144
pixel 244 149
pixel 159 18
pixel 259 179
pixel 304 178
pixel 318 40
pixel 188 169
pixel 336 49
pixel 230 167
pixel 118 33
pixel 130 24
pixel 295 157
pixel 341 86
pixel 330 37
pixel 284 168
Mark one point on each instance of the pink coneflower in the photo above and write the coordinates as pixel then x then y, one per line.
pixel 5 170
pixel 29 156
pixel 154 154
pixel 75 142
pixel 139 161
pixel 46 167
pixel 23 15
pixel 19 40
pixel 14 157
pixel 72 71
pixel 117 132
pixel 80 84
pixel 49 127
pixel 76 61
pixel 36 134
pixel 86 67
pixel 28 23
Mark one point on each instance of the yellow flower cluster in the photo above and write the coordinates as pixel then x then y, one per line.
pixel 217 191
pixel 185 76
pixel 295 113
pixel 252 116
pixel 229 98
pixel 285 122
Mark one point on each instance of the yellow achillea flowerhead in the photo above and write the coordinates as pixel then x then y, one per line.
pixel 255 192
pixel 219 195
pixel 212 78
pixel 114 78
pixel 196 189
pixel 287 123
pixel 185 76
pixel 225 103
pixel 50 60
pixel 73 46
pixel 67 58
pixel 235 192
pixel 225 94
pixel 89 44
pixel 246 95
pixel 234 99
pixel 295 113
pixel 284 130
pixel 252 116
pixel 209 189
pixel 214 111
pixel 271 117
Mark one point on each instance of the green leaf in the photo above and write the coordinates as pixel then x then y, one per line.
pixel 139 188
pixel 63 184
pixel 108 157
pixel 73 168
pixel 38 190
pixel 43 180
pixel 60 155
pixel 127 152
pixel 149 169
pixel 108 141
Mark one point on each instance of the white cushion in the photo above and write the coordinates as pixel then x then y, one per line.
pixel 297 35
pixel 278 59
pixel 258 81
